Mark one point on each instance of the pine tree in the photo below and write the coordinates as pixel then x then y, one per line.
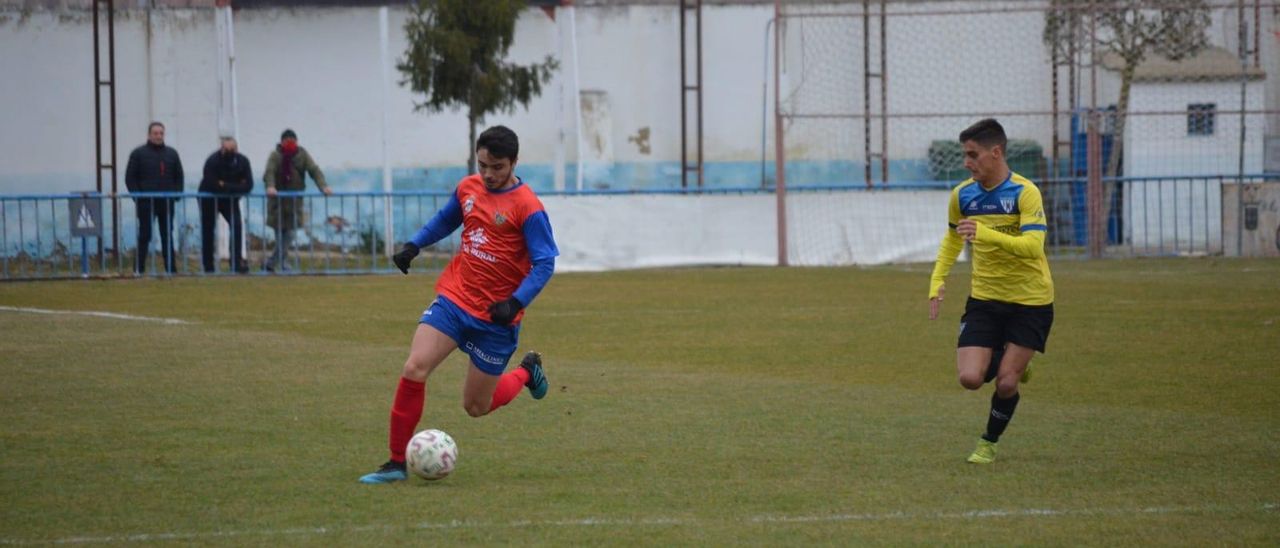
pixel 456 58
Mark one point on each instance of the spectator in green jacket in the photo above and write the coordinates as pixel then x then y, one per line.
pixel 286 168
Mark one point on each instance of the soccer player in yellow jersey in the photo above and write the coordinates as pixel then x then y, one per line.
pixel 1010 308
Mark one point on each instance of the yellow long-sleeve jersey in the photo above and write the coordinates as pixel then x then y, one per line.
pixel 1009 263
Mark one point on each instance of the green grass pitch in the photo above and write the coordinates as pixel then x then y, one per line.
pixel 771 406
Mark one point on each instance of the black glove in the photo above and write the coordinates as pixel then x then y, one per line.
pixel 503 312
pixel 405 256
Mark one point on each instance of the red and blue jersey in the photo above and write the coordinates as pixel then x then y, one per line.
pixel 507 248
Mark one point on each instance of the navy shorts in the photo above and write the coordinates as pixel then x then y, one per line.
pixel 993 323
pixel 489 345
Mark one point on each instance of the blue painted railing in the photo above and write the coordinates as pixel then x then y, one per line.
pixel 347 232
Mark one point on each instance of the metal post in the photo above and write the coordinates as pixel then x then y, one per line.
pixel 684 104
pixel 1053 112
pixel 558 167
pixel 97 100
pixel 685 88
pixel 84 256
pixel 1257 29
pixel 866 88
pixel 1093 190
pixel 1160 218
pixel 577 95
pixel 764 103
pixel 111 73
pixel 388 226
pixel 698 52
pixel 1244 82
pixel 884 93
pixel 110 84
pixel 1093 142
pixel 780 158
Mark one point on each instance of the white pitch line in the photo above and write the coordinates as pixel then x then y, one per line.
pixel 644 522
pixel 96 314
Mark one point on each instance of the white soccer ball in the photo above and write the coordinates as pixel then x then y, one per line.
pixel 431 454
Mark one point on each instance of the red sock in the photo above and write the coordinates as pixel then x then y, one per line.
pixel 405 414
pixel 508 388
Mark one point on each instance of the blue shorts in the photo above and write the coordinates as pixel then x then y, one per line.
pixel 489 345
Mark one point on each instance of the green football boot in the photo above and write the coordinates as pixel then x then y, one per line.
pixel 985 453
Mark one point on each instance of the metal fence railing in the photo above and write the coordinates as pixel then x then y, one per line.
pixel 40 235
pixel 337 234
pixel 1147 216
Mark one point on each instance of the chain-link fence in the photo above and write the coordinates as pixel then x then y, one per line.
pixel 875 93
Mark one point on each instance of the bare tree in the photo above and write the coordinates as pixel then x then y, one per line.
pixel 1131 30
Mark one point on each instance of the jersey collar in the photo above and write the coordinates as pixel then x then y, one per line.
pixel 1007 179
pixel 519 183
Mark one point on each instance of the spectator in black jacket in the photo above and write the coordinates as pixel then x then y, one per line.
pixel 154 167
pixel 228 175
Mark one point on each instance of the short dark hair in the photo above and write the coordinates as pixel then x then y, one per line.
pixel 154 124
pixel 500 141
pixel 986 132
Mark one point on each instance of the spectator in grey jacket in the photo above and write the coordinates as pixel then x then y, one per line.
pixel 154 167
pixel 228 176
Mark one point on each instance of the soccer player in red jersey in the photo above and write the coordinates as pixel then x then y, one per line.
pixel 506 257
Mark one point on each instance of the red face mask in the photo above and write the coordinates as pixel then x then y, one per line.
pixel 290 146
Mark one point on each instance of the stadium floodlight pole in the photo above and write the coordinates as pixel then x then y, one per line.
pixel 780 158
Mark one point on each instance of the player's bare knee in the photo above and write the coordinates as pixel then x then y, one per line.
pixel 476 409
pixel 415 369
pixel 971 382
pixel 1007 388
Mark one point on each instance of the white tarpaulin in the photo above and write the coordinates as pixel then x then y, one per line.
pixel 622 231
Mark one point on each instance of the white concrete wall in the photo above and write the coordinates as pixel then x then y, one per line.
pixel 317 71
pixel 47 140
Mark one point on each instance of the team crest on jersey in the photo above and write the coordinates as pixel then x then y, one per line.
pixel 499 219
pixel 477 238
pixel 1007 204
pixel 468 204
pixel 473 243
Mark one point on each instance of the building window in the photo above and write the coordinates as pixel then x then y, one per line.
pixel 1200 118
